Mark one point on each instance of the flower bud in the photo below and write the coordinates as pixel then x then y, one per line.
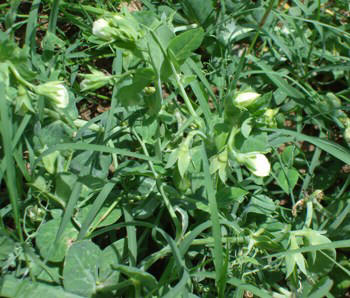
pixel 245 99
pixel 95 80
pixel 102 30
pixel 256 162
pixel 149 90
pixel 270 117
pixel 119 27
pixel 55 91
pixel 347 135
pixel 36 214
pixel 23 102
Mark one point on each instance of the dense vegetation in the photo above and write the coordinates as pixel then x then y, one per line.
pixel 163 148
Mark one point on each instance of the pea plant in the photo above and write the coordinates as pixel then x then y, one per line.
pixel 174 149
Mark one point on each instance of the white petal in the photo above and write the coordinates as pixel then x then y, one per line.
pixel 62 99
pixel 99 27
pixel 246 98
pixel 261 165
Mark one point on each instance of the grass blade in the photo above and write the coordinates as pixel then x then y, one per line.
pixel 31 25
pixel 73 199
pixel 53 16
pixel 131 235
pixel 6 133
pixel 235 282
pixel 98 148
pixel 214 216
pixel 96 206
pixel 330 147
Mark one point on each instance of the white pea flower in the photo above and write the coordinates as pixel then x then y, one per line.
pixel 102 29
pixel 256 162
pixel 245 99
pixel 55 91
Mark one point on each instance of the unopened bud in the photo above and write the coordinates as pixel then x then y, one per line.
pixel 95 80
pixel 245 99
pixel 270 117
pixel 347 135
pixel 102 29
pixel 55 91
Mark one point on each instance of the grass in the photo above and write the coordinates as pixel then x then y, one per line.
pixel 193 149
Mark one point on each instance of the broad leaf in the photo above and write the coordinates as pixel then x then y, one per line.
pixel 81 268
pixel 182 46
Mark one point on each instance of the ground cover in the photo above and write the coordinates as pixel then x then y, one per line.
pixel 174 148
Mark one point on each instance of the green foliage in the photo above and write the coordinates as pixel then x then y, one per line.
pixel 174 148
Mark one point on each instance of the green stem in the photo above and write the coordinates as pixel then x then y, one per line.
pixel 137 288
pixel 50 196
pixel 231 141
pixel 160 188
pixel 53 16
pixel 184 95
pixel 261 24
pixel 178 81
pixel 20 79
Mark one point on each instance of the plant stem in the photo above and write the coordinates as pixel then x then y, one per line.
pixel 184 95
pixel 261 24
pixel 20 79
pixel 160 188
pixel 178 81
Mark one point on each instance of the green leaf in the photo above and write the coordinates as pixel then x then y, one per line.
pixel 144 278
pixel 182 45
pixel 129 92
pixel 153 52
pixel 199 11
pixel 317 261
pixel 332 148
pixel 183 159
pixel 276 78
pixel 220 163
pixel 247 127
pixel 172 158
pixel 10 52
pixel 322 288
pixel 230 195
pixel 297 258
pixel 111 255
pixel 260 204
pixel 95 208
pixel 100 217
pixel 288 180
pixel 7 246
pixel 289 153
pixel 81 268
pixel 19 288
pixel 214 216
pixel 46 238
pixel 255 143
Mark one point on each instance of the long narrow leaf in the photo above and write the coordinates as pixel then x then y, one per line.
pixel 6 133
pixel 214 216
pixel 94 209
pixel 93 147
pixel 53 16
pixel 330 147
